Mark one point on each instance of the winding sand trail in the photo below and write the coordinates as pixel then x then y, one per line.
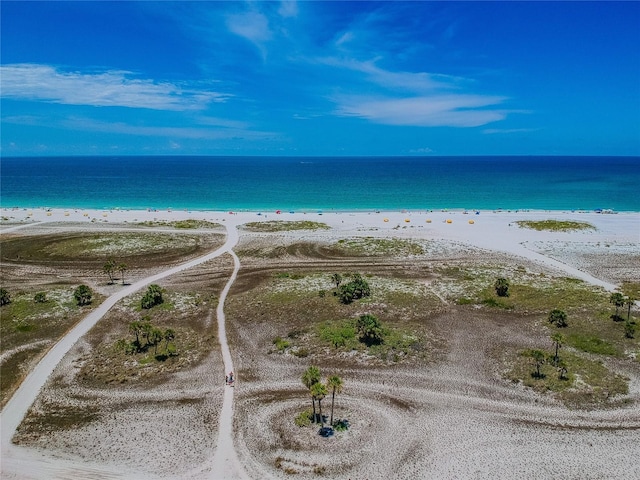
pixel 20 462
pixel 225 460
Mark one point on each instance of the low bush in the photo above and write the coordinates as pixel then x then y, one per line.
pixel 303 419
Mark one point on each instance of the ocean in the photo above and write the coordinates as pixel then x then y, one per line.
pixel 321 183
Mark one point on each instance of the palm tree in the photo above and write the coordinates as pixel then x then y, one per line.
pixel 629 329
pixel 310 377
pixel 155 336
pixel 558 317
pixel 169 335
pixel 108 268
pixel 145 331
pixel 335 384
pixel 629 301
pixel 318 392
pixel 618 300
pixel 502 287
pixel 135 327
pixel 562 370
pixel 558 341
pixel 538 358
pixel 122 268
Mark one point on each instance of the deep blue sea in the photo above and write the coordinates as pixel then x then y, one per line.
pixel 321 183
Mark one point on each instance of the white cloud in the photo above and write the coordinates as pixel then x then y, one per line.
pixel 288 9
pixel 112 88
pixel 422 150
pixel 411 81
pixel 192 132
pixel 253 26
pixel 344 39
pixel 492 131
pixel 419 99
pixel 425 111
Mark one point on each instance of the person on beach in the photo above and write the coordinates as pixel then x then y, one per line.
pixel 226 379
pixel 230 378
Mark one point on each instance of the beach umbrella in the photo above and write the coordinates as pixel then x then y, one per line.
pixel 386 219
pixel 471 222
pixel 407 220
pixel 449 220
pixel 428 220
pixel 278 212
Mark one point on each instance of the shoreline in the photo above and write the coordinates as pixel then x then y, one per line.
pixel 181 213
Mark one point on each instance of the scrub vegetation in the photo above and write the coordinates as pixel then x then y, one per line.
pixel 555 225
pixel 284 226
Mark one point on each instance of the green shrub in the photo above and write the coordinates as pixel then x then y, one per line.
pixel 83 295
pixel 40 297
pixel 341 425
pixel 152 297
pixel 303 419
pixel 629 329
pixel 300 352
pixel 354 290
pixel 281 344
pixel 5 297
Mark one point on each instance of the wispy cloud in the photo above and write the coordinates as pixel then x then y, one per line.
pixel 428 111
pixel 493 131
pixel 112 88
pixel 204 128
pixel 191 132
pixel 254 26
pixel 419 99
pixel 411 81
pixel 288 8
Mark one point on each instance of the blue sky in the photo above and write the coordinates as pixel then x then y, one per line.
pixel 320 78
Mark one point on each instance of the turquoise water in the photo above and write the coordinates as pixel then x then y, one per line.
pixel 322 183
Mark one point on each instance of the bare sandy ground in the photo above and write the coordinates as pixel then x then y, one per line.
pixel 451 421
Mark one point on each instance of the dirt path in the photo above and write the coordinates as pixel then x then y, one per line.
pixel 225 460
pixel 18 462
